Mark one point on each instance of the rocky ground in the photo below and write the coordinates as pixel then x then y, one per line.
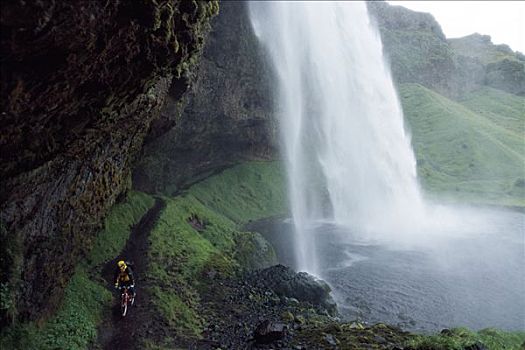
pixel 266 309
pixel 277 308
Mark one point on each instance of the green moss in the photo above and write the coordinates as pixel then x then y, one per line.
pixel 249 191
pixel 117 227
pixel 86 297
pixel 180 253
pixel 74 325
pixel 459 338
pixel 254 252
pixel 179 310
pixel 198 235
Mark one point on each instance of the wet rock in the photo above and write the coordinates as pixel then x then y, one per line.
pixel 446 332
pixel 268 332
pixel 476 346
pixel 287 316
pixel 333 328
pixel 300 319
pixel 356 325
pixel 300 286
pixel 293 301
pixel 380 340
pixel 331 340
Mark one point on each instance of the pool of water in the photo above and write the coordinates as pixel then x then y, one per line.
pixel 476 280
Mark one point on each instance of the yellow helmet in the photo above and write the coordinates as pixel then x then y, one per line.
pixel 121 264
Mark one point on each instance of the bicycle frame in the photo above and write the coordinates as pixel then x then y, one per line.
pixel 125 300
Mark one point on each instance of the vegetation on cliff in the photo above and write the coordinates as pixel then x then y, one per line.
pixel 419 53
pixel 199 235
pixel 469 150
pixel 86 298
pixel 81 83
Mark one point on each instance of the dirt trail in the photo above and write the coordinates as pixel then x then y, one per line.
pixel 117 332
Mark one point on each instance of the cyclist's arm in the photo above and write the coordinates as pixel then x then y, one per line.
pixel 130 274
pixel 116 278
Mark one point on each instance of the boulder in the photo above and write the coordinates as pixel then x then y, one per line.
pixel 268 332
pixel 286 282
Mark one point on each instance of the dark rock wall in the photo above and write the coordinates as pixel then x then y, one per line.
pixel 228 114
pixel 81 82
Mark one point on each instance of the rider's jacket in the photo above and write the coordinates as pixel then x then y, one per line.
pixel 124 277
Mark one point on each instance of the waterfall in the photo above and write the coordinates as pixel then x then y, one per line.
pixel 348 156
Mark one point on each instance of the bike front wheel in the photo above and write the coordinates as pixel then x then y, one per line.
pixel 124 309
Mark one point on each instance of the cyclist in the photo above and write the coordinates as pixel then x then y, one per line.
pixel 124 277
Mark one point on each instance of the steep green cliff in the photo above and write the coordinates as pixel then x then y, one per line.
pixel 502 68
pixel 419 53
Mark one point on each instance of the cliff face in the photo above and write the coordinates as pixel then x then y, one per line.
pixel 228 114
pixel 81 83
pixel 501 67
pixel 414 44
pixel 419 53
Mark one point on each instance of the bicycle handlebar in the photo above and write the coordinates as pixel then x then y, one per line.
pixel 122 287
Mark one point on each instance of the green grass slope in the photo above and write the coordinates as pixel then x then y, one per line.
pixel 502 108
pixel 183 254
pixel 86 297
pixel 472 150
pixel 461 338
pixel 249 191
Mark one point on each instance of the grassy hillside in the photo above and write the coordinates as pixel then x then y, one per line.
pixel 199 233
pixel 471 150
pixel 182 251
pixel 504 109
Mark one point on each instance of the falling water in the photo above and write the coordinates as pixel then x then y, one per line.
pixel 349 157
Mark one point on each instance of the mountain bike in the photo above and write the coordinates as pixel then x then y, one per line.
pixel 126 300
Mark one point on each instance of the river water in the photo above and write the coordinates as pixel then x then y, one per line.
pixel 469 280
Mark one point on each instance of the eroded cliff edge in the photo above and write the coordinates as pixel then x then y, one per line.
pixel 227 116
pixel 81 84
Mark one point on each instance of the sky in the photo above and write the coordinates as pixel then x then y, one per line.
pixel 504 21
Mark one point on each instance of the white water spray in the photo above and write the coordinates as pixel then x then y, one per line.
pixel 349 158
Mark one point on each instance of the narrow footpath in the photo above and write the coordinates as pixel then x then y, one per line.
pixel 117 332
